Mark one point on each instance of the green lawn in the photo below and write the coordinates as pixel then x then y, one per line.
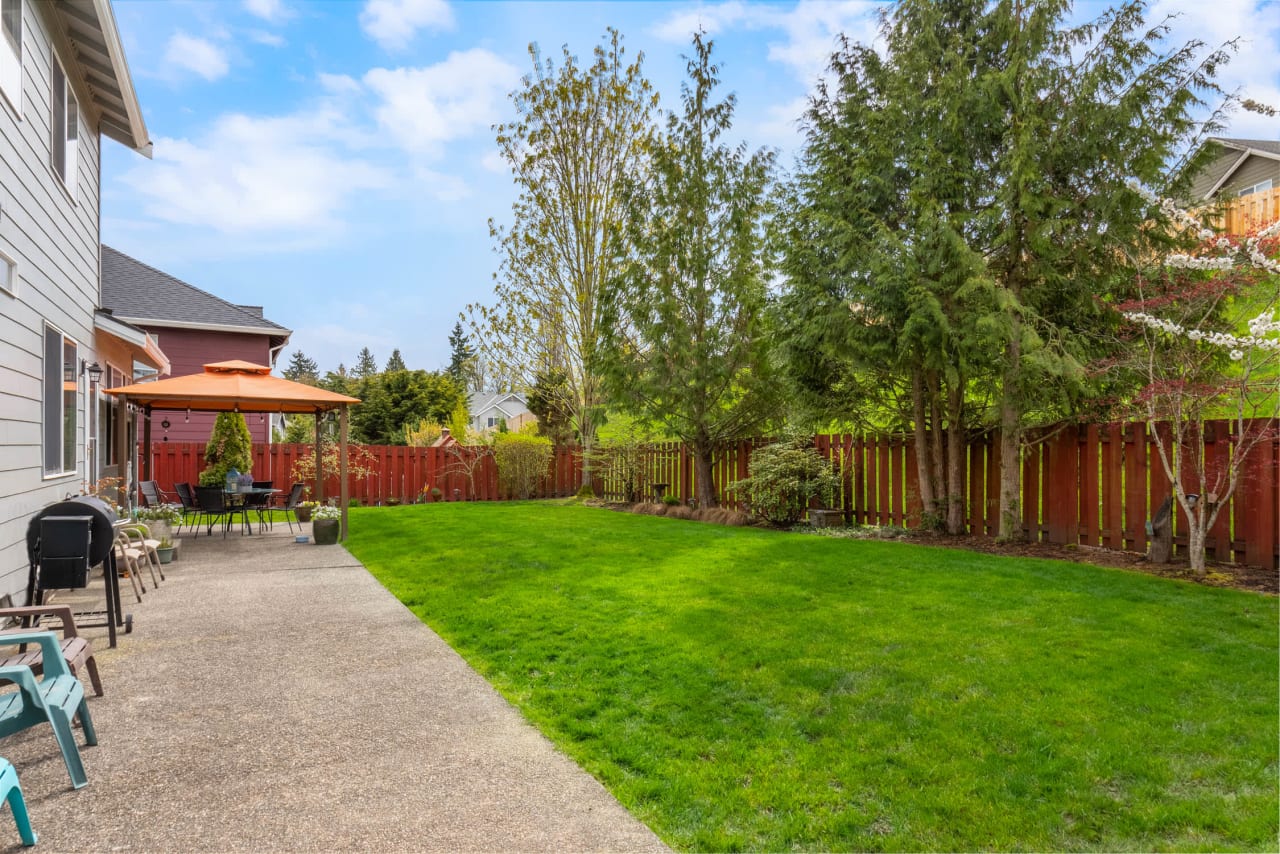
pixel 746 689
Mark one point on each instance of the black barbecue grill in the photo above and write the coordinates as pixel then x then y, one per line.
pixel 66 539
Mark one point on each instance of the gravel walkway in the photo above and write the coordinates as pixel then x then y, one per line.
pixel 274 697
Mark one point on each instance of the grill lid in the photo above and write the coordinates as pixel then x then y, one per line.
pixel 102 534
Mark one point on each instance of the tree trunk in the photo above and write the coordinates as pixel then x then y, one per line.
pixel 956 445
pixel 1195 543
pixel 1010 527
pixel 925 472
pixel 704 485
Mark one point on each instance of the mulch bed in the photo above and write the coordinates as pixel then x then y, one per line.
pixel 1254 578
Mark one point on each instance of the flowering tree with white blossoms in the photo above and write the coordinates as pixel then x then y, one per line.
pixel 1208 336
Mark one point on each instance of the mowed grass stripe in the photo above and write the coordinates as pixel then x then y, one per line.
pixel 741 689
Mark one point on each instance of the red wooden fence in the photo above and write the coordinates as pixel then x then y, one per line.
pixel 1091 485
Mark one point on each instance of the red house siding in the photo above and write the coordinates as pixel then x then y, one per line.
pixel 189 350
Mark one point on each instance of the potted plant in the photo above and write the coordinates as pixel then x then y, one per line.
pixel 305 509
pixel 436 493
pixel 160 521
pixel 164 551
pixel 325 524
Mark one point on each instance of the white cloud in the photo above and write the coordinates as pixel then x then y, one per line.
pixel 679 27
pixel 494 162
pixel 810 28
pixel 394 23
pixel 249 175
pixel 268 10
pixel 1253 70
pixel 197 55
pixel 264 37
pixel 422 108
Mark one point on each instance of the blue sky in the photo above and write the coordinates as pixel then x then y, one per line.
pixel 334 161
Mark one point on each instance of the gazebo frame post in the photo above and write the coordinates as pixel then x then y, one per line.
pixel 342 469
pixel 319 460
pixel 144 463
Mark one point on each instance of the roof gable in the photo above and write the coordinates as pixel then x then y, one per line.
pixel 1235 153
pixel 144 295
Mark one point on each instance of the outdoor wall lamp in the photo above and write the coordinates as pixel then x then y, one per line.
pixel 95 372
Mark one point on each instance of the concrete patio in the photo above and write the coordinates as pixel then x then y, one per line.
pixel 273 696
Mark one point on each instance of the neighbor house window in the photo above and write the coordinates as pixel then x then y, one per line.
pixel 11 52
pixel 493 422
pixel 65 129
pixel 1261 186
pixel 8 274
pixel 61 392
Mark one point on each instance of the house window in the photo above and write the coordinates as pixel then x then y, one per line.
pixel 65 129
pixel 1260 187
pixel 11 52
pixel 8 274
pixel 107 405
pixel 493 422
pixel 61 390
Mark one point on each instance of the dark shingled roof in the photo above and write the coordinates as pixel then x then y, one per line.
pixel 143 294
pixel 1271 146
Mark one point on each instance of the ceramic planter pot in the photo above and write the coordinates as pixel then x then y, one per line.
pixel 304 514
pixel 165 554
pixel 325 531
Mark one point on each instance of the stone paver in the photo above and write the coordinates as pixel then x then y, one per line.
pixel 273 696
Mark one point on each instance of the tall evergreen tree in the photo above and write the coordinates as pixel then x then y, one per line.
pixel 462 356
pixel 395 362
pixel 302 369
pixel 687 339
pixel 969 203
pixel 579 131
pixel 366 366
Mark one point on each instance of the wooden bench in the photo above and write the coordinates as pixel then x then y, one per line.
pixel 76 650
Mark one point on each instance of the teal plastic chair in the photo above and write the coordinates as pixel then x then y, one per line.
pixel 57 698
pixel 12 792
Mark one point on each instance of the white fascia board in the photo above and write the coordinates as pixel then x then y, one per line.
pixel 207 327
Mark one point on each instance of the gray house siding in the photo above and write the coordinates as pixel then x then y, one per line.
pixel 1254 170
pixel 53 236
pixel 1246 174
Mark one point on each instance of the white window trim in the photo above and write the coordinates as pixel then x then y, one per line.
pixel 70 149
pixel 1258 187
pixel 13 97
pixel 8 274
pixel 62 412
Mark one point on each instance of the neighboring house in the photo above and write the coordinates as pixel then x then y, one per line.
pixel 64 85
pixel 490 409
pixel 195 328
pixel 1243 167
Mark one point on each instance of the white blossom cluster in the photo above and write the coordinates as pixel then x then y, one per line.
pixel 1189 262
pixel 1249 250
pixel 1260 326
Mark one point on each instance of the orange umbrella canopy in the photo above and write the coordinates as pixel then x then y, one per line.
pixel 234 385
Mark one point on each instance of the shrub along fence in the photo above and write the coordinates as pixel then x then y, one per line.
pixel 1093 485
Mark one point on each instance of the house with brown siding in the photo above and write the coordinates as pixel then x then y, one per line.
pixel 64 87
pixel 194 328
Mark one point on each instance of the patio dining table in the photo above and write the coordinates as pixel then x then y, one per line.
pixel 237 499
